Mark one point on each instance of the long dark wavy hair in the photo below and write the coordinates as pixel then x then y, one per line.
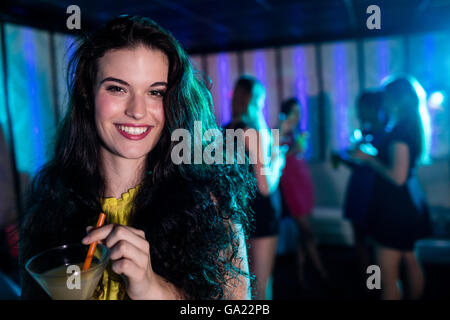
pixel 190 235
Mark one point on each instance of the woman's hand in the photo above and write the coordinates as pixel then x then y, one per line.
pixel 360 155
pixel 398 168
pixel 130 253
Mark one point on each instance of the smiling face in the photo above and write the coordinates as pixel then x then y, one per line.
pixel 129 91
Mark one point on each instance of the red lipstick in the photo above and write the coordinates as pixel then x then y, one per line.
pixel 131 136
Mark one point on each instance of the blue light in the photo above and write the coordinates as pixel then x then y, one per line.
pixel 301 92
pixel 30 98
pixel 260 71
pixel 342 98
pixel 300 86
pixel 426 122
pixel 357 136
pixel 225 89
pixel 436 100
pixel 368 149
pixel 383 58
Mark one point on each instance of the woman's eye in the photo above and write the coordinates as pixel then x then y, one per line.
pixel 158 93
pixel 115 89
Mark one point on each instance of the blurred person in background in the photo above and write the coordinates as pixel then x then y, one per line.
pixel 398 214
pixel 297 186
pixel 247 113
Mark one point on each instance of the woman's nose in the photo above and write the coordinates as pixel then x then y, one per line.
pixel 136 108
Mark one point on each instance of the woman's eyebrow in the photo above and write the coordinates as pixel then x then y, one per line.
pixel 116 80
pixel 159 84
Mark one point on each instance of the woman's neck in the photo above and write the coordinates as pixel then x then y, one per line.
pixel 120 174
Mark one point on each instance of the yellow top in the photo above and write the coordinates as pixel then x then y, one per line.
pixel 118 212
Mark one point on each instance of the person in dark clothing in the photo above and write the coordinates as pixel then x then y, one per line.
pixel 398 213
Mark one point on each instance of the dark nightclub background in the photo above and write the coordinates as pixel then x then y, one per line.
pixel 320 51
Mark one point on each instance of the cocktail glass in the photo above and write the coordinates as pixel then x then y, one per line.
pixel 59 271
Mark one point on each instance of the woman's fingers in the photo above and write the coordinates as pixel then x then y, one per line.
pixel 110 227
pixel 130 255
pixel 139 233
pixel 111 234
pixel 124 242
pixel 126 250
pixel 89 229
pixel 128 268
pixel 98 234
pixel 128 234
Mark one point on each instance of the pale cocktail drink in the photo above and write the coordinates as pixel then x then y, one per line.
pixel 59 271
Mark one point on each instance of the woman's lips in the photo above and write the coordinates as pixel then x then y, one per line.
pixel 131 127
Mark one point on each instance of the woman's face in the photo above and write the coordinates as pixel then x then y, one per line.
pixel 129 91
pixel 292 119
pixel 294 116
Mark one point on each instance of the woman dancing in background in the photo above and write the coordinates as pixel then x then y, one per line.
pixel 174 231
pixel 398 214
pixel 297 186
pixel 247 108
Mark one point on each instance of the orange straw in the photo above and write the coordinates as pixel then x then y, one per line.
pixel 93 245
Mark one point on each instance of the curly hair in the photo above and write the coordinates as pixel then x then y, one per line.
pixel 186 210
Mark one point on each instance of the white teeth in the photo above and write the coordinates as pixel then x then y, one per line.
pixel 133 130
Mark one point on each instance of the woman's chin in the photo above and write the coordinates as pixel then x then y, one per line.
pixel 134 154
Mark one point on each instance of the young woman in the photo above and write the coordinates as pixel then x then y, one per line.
pixel 398 214
pixel 247 114
pixel 297 185
pixel 174 231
